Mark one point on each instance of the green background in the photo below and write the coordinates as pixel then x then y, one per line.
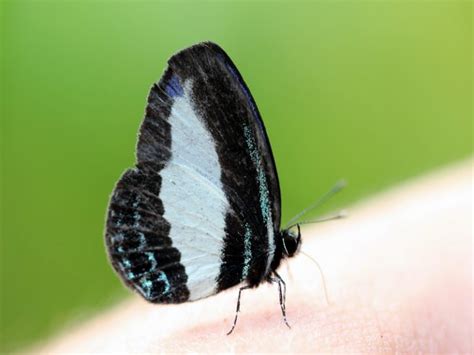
pixel 375 92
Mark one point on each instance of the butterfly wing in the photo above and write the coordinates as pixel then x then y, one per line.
pixel 200 210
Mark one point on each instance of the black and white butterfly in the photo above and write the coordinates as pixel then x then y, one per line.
pixel 200 211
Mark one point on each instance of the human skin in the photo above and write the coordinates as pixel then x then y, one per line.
pixel 398 273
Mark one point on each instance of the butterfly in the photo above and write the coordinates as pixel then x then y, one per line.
pixel 200 212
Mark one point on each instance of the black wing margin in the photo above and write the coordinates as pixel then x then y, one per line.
pixel 137 235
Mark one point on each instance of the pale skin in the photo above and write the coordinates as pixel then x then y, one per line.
pixel 398 273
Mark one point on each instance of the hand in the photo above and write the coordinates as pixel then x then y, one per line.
pixel 397 271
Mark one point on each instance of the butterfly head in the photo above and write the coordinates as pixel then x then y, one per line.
pixel 291 241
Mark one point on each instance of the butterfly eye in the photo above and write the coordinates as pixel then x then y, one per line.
pixel 298 239
pixel 291 242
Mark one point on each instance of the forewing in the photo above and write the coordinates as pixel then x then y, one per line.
pixel 249 176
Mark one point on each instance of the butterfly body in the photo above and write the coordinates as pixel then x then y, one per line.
pixel 200 211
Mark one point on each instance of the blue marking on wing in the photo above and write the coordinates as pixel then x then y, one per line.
pixel 174 88
pixel 261 178
pixel 247 252
pixel 126 263
pixel 162 277
pixel 146 286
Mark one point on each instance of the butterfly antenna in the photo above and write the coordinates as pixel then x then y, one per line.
pixel 334 190
pixel 322 275
pixel 337 215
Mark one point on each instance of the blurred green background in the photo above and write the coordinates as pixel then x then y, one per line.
pixel 374 91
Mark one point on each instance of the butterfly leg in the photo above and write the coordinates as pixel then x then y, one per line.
pixel 282 292
pixel 238 308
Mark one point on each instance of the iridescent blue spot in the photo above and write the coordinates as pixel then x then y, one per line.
pixel 262 181
pixel 130 275
pixel 142 239
pixel 247 252
pixel 136 218
pixel 174 88
pixel 126 263
pixel 136 215
pixel 152 260
pixel 146 287
pixel 162 277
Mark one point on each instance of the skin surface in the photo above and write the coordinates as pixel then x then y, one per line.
pixel 398 273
